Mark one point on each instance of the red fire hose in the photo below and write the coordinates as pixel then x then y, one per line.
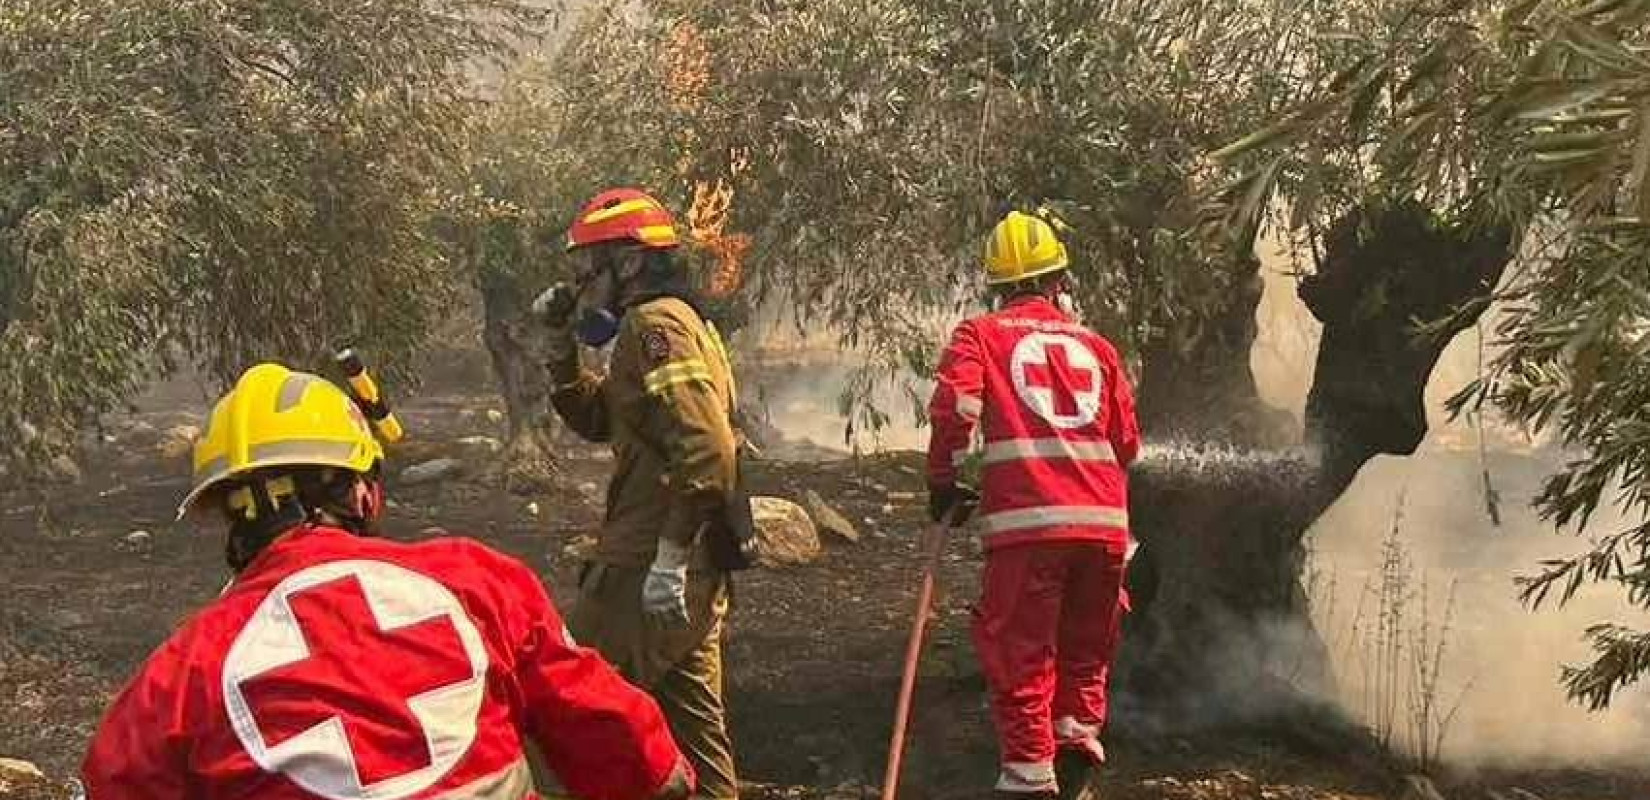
pixel 935 546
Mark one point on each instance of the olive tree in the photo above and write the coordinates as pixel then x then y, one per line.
pixel 228 181
pixel 1530 118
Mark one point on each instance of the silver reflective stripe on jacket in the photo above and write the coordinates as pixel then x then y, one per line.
pixel 1021 449
pixel 1048 516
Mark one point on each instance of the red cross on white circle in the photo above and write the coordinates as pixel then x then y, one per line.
pixel 359 680
pixel 1059 377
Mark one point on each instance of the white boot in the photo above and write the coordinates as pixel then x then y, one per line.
pixel 1027 779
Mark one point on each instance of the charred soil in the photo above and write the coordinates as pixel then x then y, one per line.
pixel 814 651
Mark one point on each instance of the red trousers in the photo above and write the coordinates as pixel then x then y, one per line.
pixel 1046 629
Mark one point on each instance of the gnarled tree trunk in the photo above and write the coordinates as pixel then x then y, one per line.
pixel 1201 388
pixel 1221 629
pixel 517 352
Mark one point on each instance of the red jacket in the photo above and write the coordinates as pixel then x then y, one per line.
pixel 356 668
pixel 1057 416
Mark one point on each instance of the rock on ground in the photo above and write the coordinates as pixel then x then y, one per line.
pixel 430 471
pixel 827 518
pixel 485 443
pixel 581 547
pixel 12 768
pixel 177 441
pixel 137 541
pixel 785 534
pixel 63 469
pixel 22 780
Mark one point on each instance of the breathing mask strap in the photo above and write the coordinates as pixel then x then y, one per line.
pixel 260 510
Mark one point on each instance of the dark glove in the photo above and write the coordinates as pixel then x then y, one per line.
pixel 554 306
pixel 553 309
pixel 953 499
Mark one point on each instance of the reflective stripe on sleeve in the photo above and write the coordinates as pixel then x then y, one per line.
pixel 688 370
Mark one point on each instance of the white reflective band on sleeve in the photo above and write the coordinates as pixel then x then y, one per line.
pixel 969 406
pixel 1017 449
pixel 1022 518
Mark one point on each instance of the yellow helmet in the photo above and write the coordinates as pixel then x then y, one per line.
pixel 277 417
pixel 1022 246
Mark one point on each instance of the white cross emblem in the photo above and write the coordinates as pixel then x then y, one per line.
pixel 1059 378
pixel 358 680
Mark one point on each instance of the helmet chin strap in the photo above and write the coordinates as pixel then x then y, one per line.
pixel 1057 290
pixel 262 510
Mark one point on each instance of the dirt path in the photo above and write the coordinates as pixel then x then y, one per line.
pixel 813 651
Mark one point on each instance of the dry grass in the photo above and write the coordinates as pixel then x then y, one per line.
pixel 1392 652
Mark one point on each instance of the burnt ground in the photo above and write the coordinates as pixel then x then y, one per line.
pixel 814 652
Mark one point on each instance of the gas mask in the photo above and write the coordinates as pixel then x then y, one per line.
pixel 598 294
pixel 596 327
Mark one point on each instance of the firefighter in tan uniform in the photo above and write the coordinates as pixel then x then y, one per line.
pixel 654 598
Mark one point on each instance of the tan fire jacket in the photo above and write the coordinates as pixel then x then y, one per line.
pixel 666 407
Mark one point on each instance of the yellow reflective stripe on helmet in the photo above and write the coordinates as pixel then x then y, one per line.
pixel 619 210
pixel 687 370
pixel 656 234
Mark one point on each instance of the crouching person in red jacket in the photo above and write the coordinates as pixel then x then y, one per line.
pixel 1056 416
pixel 338 665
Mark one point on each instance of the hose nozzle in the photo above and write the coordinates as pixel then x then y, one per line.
pixel 364 390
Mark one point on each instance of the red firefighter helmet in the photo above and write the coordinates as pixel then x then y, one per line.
pixel 618 215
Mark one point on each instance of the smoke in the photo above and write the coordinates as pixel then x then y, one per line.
pixel 796 375
pixel 800 395
pixel 1500 661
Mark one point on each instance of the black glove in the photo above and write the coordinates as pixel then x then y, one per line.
pixel 553 309
pixel 957 501
pixel 554 306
